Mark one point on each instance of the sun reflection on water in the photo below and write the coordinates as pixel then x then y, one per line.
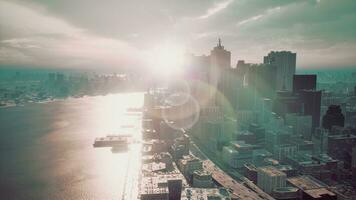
pixel 118 171
pixel 50 155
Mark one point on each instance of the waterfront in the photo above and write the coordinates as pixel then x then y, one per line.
pixel 47 153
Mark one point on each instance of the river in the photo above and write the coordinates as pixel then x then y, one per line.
pixel 46 149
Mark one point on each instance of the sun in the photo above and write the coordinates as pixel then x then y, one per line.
pixel 167 59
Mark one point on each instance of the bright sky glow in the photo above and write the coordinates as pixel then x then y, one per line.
pixel 114 34
pixel 166 59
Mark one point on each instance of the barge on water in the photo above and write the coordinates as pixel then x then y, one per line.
pixel 116 141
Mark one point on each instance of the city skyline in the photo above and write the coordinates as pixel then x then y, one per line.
pixel 116 35
pixel 178 100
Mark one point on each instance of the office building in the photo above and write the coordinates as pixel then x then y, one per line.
pixel 206 194
pixel 244 118
pixel 160 187
pixel 312 188
pixel 189 164
pixel 285 63
pixel 320 140
pixel 202 179
pixel 286 193
pixel 261 78
pixel 269 178
pixel 304 82
pixel 311 101
pixel 353 166
pixel 333 117
pixel 280 152
pixel 265 111
pixel 302 124
pixel 237 154
pixel 174 188
pixel 220 63
pixel 340 147
pixel 286 102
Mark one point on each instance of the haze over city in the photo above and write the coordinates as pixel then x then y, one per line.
pixel 178 99
pixel 121 34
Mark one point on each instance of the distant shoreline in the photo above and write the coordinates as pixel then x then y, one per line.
pixel 10 105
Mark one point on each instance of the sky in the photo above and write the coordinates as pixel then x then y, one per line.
pixel 119 34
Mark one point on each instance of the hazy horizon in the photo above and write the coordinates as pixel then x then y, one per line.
pixel 120 35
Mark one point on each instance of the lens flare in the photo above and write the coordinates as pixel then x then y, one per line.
pixel 166 60
pixel 182 116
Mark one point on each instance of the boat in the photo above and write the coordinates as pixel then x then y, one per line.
pixel 134 109
pixel 112 141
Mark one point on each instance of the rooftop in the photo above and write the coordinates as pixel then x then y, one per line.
pixel 272 171
pixel 237 189
pixel 205 193
pixel 286 189
pixel 154 166
pixel 202 173
pixel 306 182
pixel 320 192
pixel 189 159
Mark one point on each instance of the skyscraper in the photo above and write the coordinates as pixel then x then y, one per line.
pixel 219 57
pixel 220 64
pixel 311 100
pixel 304 82
pixel 333 117
pixel 285 62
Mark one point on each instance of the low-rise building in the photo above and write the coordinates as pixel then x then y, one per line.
pixel 202 179
pixel 270 178
pixel 161 187
pixel 286 193
pixel 237 154
pixel 205 194
pixel 312 188
pixel 189 164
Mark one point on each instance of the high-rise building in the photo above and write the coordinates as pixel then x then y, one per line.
pixel 266 110
pixel 219 57
pixel 302 124
pixel 242 68
pixel 333 117
pixel 320 140
pixel 340 147
pixel 286 102
pixel 261 78
pixel 174 188
pixel 353 165
pixel 304 82
pixel 311 99
pixel 270 178
pixel 220 65
pixel 285 62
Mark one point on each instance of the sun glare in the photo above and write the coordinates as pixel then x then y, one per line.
pixel 167 59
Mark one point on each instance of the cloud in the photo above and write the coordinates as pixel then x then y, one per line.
pixel 117 32
pixel 31 37
pixel 218 7
pixel 257 17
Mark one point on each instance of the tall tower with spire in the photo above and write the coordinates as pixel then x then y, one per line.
pixel 219 57
pixel 220 61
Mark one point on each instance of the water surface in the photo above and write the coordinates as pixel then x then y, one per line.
pixel 46 149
